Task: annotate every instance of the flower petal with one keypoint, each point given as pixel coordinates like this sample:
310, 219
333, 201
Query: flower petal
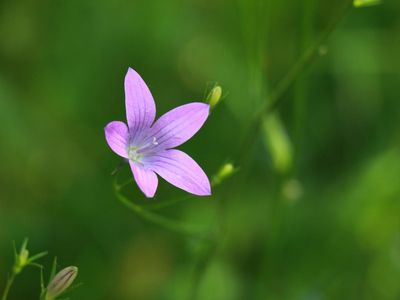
139, 103
181, 170
178, 125
145, 178
117, 137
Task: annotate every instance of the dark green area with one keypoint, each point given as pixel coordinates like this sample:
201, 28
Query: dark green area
314, 209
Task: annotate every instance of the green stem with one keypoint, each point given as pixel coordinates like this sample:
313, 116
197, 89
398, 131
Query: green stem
177, 226
9, 283
168, 203
173, 201
276, 96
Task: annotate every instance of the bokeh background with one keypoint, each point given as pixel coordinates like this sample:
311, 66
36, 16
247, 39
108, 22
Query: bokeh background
313, 211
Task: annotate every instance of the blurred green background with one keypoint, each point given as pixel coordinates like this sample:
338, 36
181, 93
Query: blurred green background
314, 210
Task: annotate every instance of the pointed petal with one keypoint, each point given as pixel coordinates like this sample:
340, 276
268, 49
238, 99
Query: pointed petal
181, 170
146, 179
117, 137
178, 125
139, 103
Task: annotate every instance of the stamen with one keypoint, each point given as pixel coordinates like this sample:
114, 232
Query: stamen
136, 152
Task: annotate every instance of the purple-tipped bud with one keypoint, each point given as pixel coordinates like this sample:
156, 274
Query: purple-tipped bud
61, 282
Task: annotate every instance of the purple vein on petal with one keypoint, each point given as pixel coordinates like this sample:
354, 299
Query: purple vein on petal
181, 170
194, 118
175, 132
147, 141
140, 106
145, 178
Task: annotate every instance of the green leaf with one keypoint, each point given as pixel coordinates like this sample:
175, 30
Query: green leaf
53, 269
37, 256
24, 245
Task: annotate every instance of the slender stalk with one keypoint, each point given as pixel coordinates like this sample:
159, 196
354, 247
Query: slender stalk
217, 180
173, 225
170, 202
9, 283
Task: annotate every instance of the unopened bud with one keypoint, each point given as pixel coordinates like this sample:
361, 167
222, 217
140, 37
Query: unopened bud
61, 282
22, 261
23, 257
224, 172
214, 96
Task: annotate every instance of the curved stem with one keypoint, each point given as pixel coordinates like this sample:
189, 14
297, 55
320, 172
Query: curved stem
173, 225
167, 203
170, 202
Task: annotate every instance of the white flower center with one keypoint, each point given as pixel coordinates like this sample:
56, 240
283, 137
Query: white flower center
136, 152
133, 153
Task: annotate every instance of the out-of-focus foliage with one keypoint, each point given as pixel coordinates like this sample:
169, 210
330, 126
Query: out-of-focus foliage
327, 228
278, 143
365, 3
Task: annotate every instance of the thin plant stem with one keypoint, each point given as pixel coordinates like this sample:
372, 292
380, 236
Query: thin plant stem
305, 60
9, 283
173, 201
168, 203
173, 225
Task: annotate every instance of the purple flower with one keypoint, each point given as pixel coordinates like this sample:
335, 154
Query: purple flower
148, 144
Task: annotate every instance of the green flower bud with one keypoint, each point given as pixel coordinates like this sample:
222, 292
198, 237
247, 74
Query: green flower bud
21, 261
224, 172
23, 257
214, 96
61, 282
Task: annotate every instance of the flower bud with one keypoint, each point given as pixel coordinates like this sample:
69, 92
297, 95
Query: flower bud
224, 172
23, 257
61, 282
214, 96
21, 261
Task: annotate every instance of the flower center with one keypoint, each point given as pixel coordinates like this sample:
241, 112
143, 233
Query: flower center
133, 153
136, 152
